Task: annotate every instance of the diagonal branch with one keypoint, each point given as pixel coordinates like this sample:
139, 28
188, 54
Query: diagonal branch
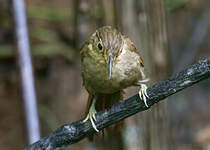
76, 131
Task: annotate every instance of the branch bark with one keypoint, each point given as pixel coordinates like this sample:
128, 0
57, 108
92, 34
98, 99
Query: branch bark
71, 133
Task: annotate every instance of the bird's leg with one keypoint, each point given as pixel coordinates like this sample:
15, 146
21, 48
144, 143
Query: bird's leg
91, 114
143, 91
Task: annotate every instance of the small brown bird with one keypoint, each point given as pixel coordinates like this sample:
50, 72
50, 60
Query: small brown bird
110, 63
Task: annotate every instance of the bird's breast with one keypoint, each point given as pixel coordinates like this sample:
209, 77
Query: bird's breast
125, 72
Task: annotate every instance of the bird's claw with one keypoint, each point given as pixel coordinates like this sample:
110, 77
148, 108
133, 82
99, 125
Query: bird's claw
143, 94
92, 116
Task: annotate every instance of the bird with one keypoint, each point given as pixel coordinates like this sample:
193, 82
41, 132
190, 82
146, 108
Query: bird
109, 64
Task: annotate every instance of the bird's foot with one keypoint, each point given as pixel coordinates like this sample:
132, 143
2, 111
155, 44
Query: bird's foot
143, 94
92, 116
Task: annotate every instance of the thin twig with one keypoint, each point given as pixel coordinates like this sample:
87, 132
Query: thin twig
76, 131
24, 57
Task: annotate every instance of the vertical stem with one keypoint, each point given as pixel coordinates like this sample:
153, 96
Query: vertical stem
27, 79
159, 68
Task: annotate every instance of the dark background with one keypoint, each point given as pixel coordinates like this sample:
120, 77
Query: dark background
58, 28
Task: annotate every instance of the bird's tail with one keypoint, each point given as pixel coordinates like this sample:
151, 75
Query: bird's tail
105, 101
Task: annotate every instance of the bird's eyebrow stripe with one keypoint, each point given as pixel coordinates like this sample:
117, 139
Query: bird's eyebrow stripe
98, 36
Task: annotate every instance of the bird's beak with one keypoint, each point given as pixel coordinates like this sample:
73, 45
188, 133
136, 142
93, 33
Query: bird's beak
110, 65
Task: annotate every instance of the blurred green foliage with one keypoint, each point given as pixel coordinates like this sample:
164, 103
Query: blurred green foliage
42, 50
174, 4
49, 14
44, 39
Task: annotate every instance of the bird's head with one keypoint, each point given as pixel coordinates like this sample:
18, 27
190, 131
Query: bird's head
106, 44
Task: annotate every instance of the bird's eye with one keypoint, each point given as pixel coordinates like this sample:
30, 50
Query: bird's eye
100, 47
